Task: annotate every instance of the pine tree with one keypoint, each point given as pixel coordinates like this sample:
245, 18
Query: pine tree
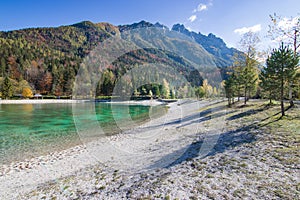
199, 92
290, 35
2, 66
282, 67
229, 89
268, 83
249, 79
237, 72
155, 90
7, 88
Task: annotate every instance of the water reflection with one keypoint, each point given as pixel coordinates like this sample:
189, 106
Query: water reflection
30, 130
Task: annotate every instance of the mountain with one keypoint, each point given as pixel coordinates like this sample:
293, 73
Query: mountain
48, 59
214, 45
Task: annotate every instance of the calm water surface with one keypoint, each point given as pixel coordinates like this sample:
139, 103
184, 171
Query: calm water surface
30, 130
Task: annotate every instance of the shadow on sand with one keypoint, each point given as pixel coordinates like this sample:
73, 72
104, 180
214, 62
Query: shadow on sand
224, 141
198, 117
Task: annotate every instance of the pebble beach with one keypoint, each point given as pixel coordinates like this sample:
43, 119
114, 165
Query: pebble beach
182, 155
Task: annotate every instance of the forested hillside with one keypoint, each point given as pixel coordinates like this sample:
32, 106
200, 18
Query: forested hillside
46, 60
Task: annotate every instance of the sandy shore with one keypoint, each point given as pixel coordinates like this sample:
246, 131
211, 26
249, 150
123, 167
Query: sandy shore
28, 174
195, 151
142, 102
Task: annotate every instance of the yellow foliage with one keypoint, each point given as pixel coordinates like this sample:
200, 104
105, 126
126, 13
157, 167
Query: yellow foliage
27, 93
207, 88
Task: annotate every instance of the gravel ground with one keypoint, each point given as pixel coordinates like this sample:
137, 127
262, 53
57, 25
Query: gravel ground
199, 150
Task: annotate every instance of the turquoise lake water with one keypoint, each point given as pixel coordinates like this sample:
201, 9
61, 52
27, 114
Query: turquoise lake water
30, 130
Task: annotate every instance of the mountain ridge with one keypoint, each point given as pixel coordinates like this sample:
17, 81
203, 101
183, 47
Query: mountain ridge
210, 42
48, 59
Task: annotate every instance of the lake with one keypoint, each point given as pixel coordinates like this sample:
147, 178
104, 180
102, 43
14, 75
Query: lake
30, 130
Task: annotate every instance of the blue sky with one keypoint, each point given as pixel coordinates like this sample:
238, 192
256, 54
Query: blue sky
225, 18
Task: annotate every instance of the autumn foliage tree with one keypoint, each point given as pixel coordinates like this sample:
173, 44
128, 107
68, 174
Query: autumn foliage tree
27, 92
248, 75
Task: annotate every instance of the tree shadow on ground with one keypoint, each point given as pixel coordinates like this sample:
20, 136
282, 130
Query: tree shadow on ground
275, 120
207, 114
197, 115
225, 141
248, 113
203, 118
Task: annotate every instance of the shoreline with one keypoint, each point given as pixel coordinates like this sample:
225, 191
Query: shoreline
27, 175
172, 157
70, 101
41, 101
28, 163
134, 102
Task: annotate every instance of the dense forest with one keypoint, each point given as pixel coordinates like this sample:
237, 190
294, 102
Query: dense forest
46, 60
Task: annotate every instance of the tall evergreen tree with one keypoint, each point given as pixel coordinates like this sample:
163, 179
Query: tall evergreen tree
238, 80
282, 67
7, 88
268, 83
286, 30
229, 89
248, 79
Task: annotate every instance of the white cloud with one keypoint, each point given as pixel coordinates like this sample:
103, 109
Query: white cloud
286, 26
288, 23
192, 18
254, 29
200, 8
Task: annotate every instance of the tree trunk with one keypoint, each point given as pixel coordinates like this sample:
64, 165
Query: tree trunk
245, 96
248, 95
282, 108
239, 93
281, 98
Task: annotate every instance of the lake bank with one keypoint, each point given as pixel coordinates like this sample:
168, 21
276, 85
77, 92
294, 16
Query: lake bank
49, 167
40, 101
254, 156
30, 130
51, 101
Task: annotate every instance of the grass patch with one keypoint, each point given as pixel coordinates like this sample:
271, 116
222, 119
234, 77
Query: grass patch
239, 193
209, 176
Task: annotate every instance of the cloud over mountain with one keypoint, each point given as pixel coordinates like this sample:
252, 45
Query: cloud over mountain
243, 30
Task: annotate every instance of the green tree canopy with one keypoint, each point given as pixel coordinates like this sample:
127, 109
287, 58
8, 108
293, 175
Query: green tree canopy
281, 68
7, 88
